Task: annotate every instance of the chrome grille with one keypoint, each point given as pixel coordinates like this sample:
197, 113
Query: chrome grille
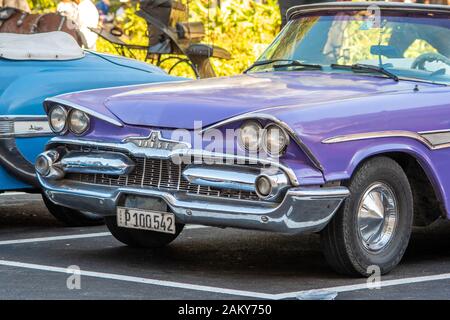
158, 174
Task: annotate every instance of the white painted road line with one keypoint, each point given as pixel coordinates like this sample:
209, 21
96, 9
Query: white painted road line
196, 226
364, 286
243, 293
12, 194
56, 238
162, 283
73, 236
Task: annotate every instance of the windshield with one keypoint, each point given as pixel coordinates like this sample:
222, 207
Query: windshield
407, 45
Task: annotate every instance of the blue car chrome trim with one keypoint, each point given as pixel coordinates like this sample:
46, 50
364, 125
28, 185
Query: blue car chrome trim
282, 124
69, 104
302, 209
428, 138
176, 155
24, 126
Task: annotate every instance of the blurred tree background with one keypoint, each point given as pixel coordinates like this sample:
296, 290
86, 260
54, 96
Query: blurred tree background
243, 27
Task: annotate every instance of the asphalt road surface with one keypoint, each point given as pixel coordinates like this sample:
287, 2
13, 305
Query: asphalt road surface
203, 263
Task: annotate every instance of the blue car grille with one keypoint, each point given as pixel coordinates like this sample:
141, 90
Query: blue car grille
158, 174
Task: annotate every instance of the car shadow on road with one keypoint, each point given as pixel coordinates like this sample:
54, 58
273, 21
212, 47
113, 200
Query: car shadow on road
429, 243
251, 254
25, 210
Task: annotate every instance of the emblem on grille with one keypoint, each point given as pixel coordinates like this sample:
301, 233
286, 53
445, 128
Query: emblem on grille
156, 141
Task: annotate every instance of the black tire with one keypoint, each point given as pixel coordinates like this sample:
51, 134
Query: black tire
71, 217
341, 240
141, 238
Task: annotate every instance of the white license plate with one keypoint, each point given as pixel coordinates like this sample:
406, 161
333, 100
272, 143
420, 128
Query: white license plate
146, 220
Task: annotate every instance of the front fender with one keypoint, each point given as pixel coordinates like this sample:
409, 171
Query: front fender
344, 159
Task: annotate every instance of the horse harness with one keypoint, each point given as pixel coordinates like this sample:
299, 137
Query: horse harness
7, 13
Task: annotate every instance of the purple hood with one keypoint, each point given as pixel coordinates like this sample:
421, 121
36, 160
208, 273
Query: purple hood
178, 105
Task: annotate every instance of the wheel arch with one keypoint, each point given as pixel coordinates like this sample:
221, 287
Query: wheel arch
429, 203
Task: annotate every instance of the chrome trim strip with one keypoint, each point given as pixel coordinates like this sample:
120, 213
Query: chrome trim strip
435, 131
222, 177
333, 6
113, 163
17, 126
282, 124
23, 117
175, 155
81, 108
437, 137
420, 136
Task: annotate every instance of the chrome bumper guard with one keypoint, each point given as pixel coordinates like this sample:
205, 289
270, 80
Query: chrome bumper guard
301, 210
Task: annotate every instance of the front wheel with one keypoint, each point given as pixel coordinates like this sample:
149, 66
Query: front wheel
71, 217
141, 238
373, 227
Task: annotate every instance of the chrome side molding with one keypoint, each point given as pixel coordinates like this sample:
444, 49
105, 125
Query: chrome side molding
24, 126
434, 140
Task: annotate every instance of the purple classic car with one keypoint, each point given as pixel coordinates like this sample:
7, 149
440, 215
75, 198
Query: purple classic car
341, 127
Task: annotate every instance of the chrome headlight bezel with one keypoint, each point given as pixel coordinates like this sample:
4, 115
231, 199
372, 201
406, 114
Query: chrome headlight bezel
242, 131
265, 144
71, 126
50, 117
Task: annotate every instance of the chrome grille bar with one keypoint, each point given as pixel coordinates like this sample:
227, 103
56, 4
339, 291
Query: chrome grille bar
158, 174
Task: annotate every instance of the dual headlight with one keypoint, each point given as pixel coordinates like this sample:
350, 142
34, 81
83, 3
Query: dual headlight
272, 138
61, 120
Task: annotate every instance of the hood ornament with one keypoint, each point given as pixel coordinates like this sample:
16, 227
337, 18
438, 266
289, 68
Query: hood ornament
156, 141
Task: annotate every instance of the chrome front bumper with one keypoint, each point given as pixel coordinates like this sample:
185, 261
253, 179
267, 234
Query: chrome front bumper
301, 210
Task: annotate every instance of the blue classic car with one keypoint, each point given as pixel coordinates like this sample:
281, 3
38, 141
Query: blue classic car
341, 127
33, 67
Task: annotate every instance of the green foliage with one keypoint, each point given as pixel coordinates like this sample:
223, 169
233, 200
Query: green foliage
42, 5
243, 27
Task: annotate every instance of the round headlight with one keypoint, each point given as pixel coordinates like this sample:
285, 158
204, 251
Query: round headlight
57, 119
78, 122
275, 140
249, 135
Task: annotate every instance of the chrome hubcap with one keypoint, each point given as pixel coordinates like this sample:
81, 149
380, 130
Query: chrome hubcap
377, 216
